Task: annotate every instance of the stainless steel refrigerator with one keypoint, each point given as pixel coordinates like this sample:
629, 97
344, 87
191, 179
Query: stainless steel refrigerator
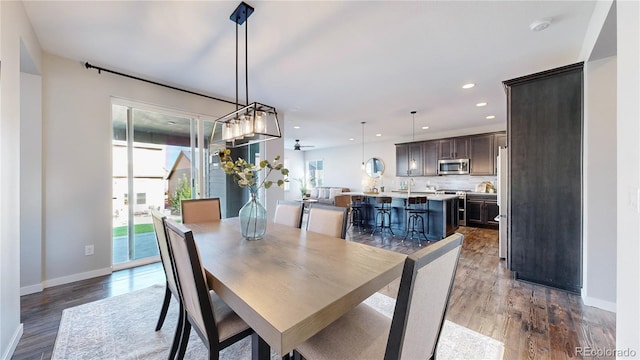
503, 188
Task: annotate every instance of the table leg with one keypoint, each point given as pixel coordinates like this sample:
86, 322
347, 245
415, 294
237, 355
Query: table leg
259, 348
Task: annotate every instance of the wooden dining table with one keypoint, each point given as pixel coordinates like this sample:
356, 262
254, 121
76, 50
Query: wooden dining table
292, 283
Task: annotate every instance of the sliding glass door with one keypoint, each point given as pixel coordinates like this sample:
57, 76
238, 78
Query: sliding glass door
157, 162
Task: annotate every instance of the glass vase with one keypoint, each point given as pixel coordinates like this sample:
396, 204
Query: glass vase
253, 219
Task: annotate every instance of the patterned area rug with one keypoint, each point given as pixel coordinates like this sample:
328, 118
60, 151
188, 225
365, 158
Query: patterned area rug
122, 327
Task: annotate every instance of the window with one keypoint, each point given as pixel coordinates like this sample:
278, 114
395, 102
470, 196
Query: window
315, 173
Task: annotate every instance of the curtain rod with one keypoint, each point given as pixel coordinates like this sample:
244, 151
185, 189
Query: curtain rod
100, 69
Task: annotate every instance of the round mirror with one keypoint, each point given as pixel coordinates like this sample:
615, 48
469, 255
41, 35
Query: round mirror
374, 167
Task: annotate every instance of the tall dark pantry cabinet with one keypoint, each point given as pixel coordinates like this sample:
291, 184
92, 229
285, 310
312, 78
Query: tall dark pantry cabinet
544, 130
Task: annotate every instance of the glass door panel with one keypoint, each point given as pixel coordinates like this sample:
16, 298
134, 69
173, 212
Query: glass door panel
153, 169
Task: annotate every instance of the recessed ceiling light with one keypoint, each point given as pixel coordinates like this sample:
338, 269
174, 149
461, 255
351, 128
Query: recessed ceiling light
425, 127
468, 86
491, 117
540, 25
378, 135
296, 127
480, 104
351, 139
171, 122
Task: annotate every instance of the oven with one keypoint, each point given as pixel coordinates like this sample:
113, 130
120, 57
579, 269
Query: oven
462, 204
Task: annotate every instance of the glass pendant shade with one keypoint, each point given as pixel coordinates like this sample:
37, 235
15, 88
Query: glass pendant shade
251, 124
414, 164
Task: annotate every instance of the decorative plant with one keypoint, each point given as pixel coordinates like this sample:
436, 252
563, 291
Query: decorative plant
183, 191
303, 186
245, 174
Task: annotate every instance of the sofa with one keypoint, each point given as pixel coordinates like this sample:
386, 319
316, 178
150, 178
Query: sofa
326, 194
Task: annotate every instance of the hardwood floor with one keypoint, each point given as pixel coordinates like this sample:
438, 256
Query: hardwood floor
534, 322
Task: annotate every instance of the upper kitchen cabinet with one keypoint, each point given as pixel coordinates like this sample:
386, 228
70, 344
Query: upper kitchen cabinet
430, 150
409, 159
545, 179
454, 148
482, 158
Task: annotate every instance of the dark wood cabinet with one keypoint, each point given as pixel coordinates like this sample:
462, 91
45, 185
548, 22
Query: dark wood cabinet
409, 160
454, 148
481, 211
482, 158
430, 156
544, 129
481, 150
402, 159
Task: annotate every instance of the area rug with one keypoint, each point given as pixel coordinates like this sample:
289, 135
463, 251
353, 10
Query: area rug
122, 327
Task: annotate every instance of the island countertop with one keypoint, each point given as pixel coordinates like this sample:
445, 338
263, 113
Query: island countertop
430, 196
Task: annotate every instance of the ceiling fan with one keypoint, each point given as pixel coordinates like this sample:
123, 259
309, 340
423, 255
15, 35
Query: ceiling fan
298, 147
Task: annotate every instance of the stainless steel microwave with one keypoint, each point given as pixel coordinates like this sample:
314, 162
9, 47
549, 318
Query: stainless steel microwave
453, 167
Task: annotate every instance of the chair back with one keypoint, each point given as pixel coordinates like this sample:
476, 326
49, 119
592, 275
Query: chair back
200, 210
427, 278
416, 202
328, 220
342, 201
357, 199
165, 250
289, 213
192, 284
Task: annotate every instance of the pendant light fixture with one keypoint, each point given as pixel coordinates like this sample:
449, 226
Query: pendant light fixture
254, 122
413, 164
364, 122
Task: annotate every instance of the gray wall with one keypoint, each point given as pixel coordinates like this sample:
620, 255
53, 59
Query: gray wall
30, 183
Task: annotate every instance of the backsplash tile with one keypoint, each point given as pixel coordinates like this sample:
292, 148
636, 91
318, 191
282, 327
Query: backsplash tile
452, 182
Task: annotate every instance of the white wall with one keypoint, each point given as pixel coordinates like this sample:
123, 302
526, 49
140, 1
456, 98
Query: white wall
628, 80
599, 225
295, 163
15, 33
30, 184
77, 155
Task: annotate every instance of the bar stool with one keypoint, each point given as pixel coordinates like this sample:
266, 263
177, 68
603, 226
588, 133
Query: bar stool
415, 208
356, 206
383, 212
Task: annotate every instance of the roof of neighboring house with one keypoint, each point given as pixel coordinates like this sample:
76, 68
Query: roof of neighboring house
183, 156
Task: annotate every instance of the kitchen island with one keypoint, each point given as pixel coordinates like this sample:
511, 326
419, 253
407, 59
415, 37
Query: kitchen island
442, 216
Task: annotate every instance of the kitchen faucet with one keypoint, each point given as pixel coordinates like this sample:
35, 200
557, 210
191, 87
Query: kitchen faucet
411, 183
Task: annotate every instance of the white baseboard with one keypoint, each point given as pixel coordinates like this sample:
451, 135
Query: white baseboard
31, 289
76, 277
599, 303
13, 343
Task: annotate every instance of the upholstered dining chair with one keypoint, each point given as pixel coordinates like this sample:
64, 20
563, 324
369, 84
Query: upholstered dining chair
328, 220
289, 213
171, 289
413, 332
200, 210
217, 325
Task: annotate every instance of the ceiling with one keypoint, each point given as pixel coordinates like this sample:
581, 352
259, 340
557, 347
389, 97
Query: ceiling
329, 65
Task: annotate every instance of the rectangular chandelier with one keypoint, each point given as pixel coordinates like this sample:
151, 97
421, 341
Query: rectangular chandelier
251, 124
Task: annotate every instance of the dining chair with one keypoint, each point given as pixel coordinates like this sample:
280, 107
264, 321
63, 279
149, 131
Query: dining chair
289, 213
171, 287
328, 220
213, 320
418, 317
200, 210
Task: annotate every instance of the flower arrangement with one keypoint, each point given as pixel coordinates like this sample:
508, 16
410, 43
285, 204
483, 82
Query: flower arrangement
245, 174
